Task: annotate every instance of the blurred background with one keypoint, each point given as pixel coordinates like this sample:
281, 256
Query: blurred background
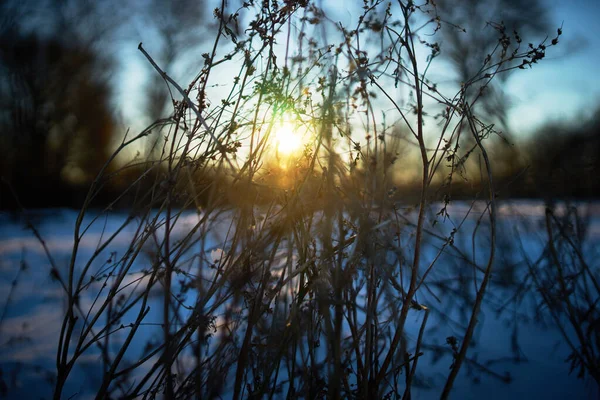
72, 82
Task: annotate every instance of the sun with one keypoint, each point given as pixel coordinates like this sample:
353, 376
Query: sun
287, 139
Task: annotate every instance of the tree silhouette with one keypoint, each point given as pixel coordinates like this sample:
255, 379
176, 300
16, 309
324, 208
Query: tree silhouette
57, 126
475, 34
179, 26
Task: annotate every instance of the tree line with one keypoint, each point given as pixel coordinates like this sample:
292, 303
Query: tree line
60, 118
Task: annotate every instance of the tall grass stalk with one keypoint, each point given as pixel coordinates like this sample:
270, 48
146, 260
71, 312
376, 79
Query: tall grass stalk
297, 276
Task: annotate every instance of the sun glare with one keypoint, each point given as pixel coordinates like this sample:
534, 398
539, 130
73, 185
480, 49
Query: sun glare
287, 140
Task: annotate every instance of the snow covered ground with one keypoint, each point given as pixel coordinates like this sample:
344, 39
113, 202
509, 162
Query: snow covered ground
32, 306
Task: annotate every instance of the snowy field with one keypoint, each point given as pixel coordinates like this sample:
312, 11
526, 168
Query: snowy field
510, 343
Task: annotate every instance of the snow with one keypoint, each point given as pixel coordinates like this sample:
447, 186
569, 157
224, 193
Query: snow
31, 321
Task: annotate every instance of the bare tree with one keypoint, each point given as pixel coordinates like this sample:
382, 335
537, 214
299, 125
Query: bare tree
178, 28
56, 93
470, 33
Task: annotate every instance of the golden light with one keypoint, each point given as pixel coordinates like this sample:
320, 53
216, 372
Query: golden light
287, 139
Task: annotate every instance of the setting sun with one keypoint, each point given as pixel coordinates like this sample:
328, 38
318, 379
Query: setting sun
287, 140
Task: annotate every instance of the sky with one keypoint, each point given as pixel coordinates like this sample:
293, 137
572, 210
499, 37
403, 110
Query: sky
565, 84
561, 88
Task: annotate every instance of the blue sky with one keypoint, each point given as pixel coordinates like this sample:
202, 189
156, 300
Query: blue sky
565, 85
561, 88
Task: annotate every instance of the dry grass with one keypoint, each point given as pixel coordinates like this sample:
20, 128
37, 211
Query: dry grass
305, 286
